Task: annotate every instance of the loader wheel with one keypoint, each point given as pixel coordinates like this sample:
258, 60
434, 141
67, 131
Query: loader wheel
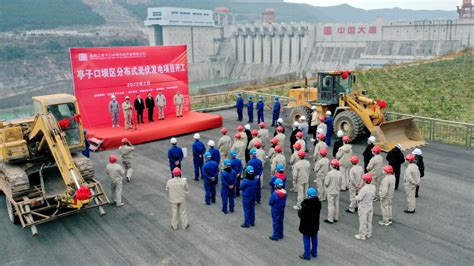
298, 112
350, 123
11, 212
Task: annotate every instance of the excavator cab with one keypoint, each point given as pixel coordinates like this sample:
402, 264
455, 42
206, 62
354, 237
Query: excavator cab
331, 84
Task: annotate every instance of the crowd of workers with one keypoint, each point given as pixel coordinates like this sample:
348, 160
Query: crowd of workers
239, 165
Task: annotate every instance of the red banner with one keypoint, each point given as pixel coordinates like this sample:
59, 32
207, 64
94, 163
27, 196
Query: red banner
99, 73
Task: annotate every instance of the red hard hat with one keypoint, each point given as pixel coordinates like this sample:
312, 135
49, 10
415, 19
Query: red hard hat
345, 138
280, 129
125, 140
254, 132
237, 136
297, 145
376, 149
176, 171
274, 141
224, 130
321, 136
367, 177
258, 144
262, 124
335, 162
410, 157
299, 134
388, 169
240, 128
323, 152
301, 153
112, 158
278, 148
354, 159
321, 118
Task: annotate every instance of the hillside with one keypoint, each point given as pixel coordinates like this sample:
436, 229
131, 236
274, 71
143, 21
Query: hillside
45, 14
441, 89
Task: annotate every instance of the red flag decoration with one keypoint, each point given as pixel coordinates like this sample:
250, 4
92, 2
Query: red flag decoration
345, 74
381, 103
83, 193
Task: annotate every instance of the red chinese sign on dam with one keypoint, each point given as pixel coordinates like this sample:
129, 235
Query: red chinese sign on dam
328, 30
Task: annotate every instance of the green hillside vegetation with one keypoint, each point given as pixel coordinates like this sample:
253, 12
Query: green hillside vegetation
441, 89
45, 14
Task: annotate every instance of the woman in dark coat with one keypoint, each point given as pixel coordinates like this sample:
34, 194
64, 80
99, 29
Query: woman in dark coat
368, 152
309, 223
395, 159
421, 166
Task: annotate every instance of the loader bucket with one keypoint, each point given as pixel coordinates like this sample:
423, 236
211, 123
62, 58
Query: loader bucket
402, 131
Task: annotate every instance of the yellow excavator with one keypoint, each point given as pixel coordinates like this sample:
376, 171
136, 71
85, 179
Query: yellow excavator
353, 113
43, 174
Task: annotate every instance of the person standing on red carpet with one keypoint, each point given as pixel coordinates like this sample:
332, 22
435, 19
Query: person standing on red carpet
178, 101
139, 107
150, 105
127, 112
161, 103
114, 109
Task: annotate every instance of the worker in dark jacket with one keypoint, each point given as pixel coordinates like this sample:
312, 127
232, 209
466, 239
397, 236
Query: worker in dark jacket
421, 166
395, 159
309, 223
258, 171
210, 174
139, 107
260, 107
250, 109
248, 133
240, 107
216, 155
175, 155
87, 151
329, 121
198, 156
338, 143
236, 164
368, 152
227, 186
293, 138
277, 202
249, 188
276, 111
150, 106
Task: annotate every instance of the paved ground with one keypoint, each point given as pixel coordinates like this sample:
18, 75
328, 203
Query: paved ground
139, 233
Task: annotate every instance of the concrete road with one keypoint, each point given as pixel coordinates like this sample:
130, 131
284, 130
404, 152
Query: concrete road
139, 233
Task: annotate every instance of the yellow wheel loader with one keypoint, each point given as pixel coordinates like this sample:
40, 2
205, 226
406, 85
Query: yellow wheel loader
353, 113
43, 174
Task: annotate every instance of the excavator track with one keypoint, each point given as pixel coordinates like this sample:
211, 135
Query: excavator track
13, 180
84, 165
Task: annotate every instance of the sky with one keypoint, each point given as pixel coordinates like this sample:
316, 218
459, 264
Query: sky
375, 4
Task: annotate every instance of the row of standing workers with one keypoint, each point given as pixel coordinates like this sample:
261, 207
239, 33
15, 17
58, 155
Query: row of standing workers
239, 164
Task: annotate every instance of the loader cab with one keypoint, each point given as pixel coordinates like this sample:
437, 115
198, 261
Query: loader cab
331, 84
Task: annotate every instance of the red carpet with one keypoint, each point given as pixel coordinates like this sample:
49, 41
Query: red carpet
171, 126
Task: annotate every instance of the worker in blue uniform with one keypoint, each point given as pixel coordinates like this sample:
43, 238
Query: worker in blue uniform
215, 154
276, 111
240, 107
229, 177
175, 155
279, 174
236, 164
277, 202
249, 193
330, 124
260, 106
87, 151
250, 109
258, 170
198, 156
210, 173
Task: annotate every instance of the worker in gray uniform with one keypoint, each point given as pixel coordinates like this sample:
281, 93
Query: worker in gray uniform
178, 101
177, 188
411, 181
365, 201
387, 188
114, 109
332, 184
375, 169
126, 153
161, 104
127, 108
344, 155
321, 168
355, 183
115, 173
301, 171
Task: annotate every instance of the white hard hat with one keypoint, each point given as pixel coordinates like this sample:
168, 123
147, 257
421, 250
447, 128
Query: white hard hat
399, 146
211, 143
328, 112
173, 141
280, 120
371, 139
340, 133
319, 130
247, 126
313, 107
417, 152
127, 97
296, 124
197, 136
113, 96
303, 118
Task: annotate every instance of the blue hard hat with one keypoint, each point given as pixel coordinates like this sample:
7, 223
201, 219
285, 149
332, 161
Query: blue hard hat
233, 153
250, 97
312, 192
227, 162
280, 167
278, 183
260, 97
249, 169
239, 94
208, 155
253, 151
277, 98
85, 131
